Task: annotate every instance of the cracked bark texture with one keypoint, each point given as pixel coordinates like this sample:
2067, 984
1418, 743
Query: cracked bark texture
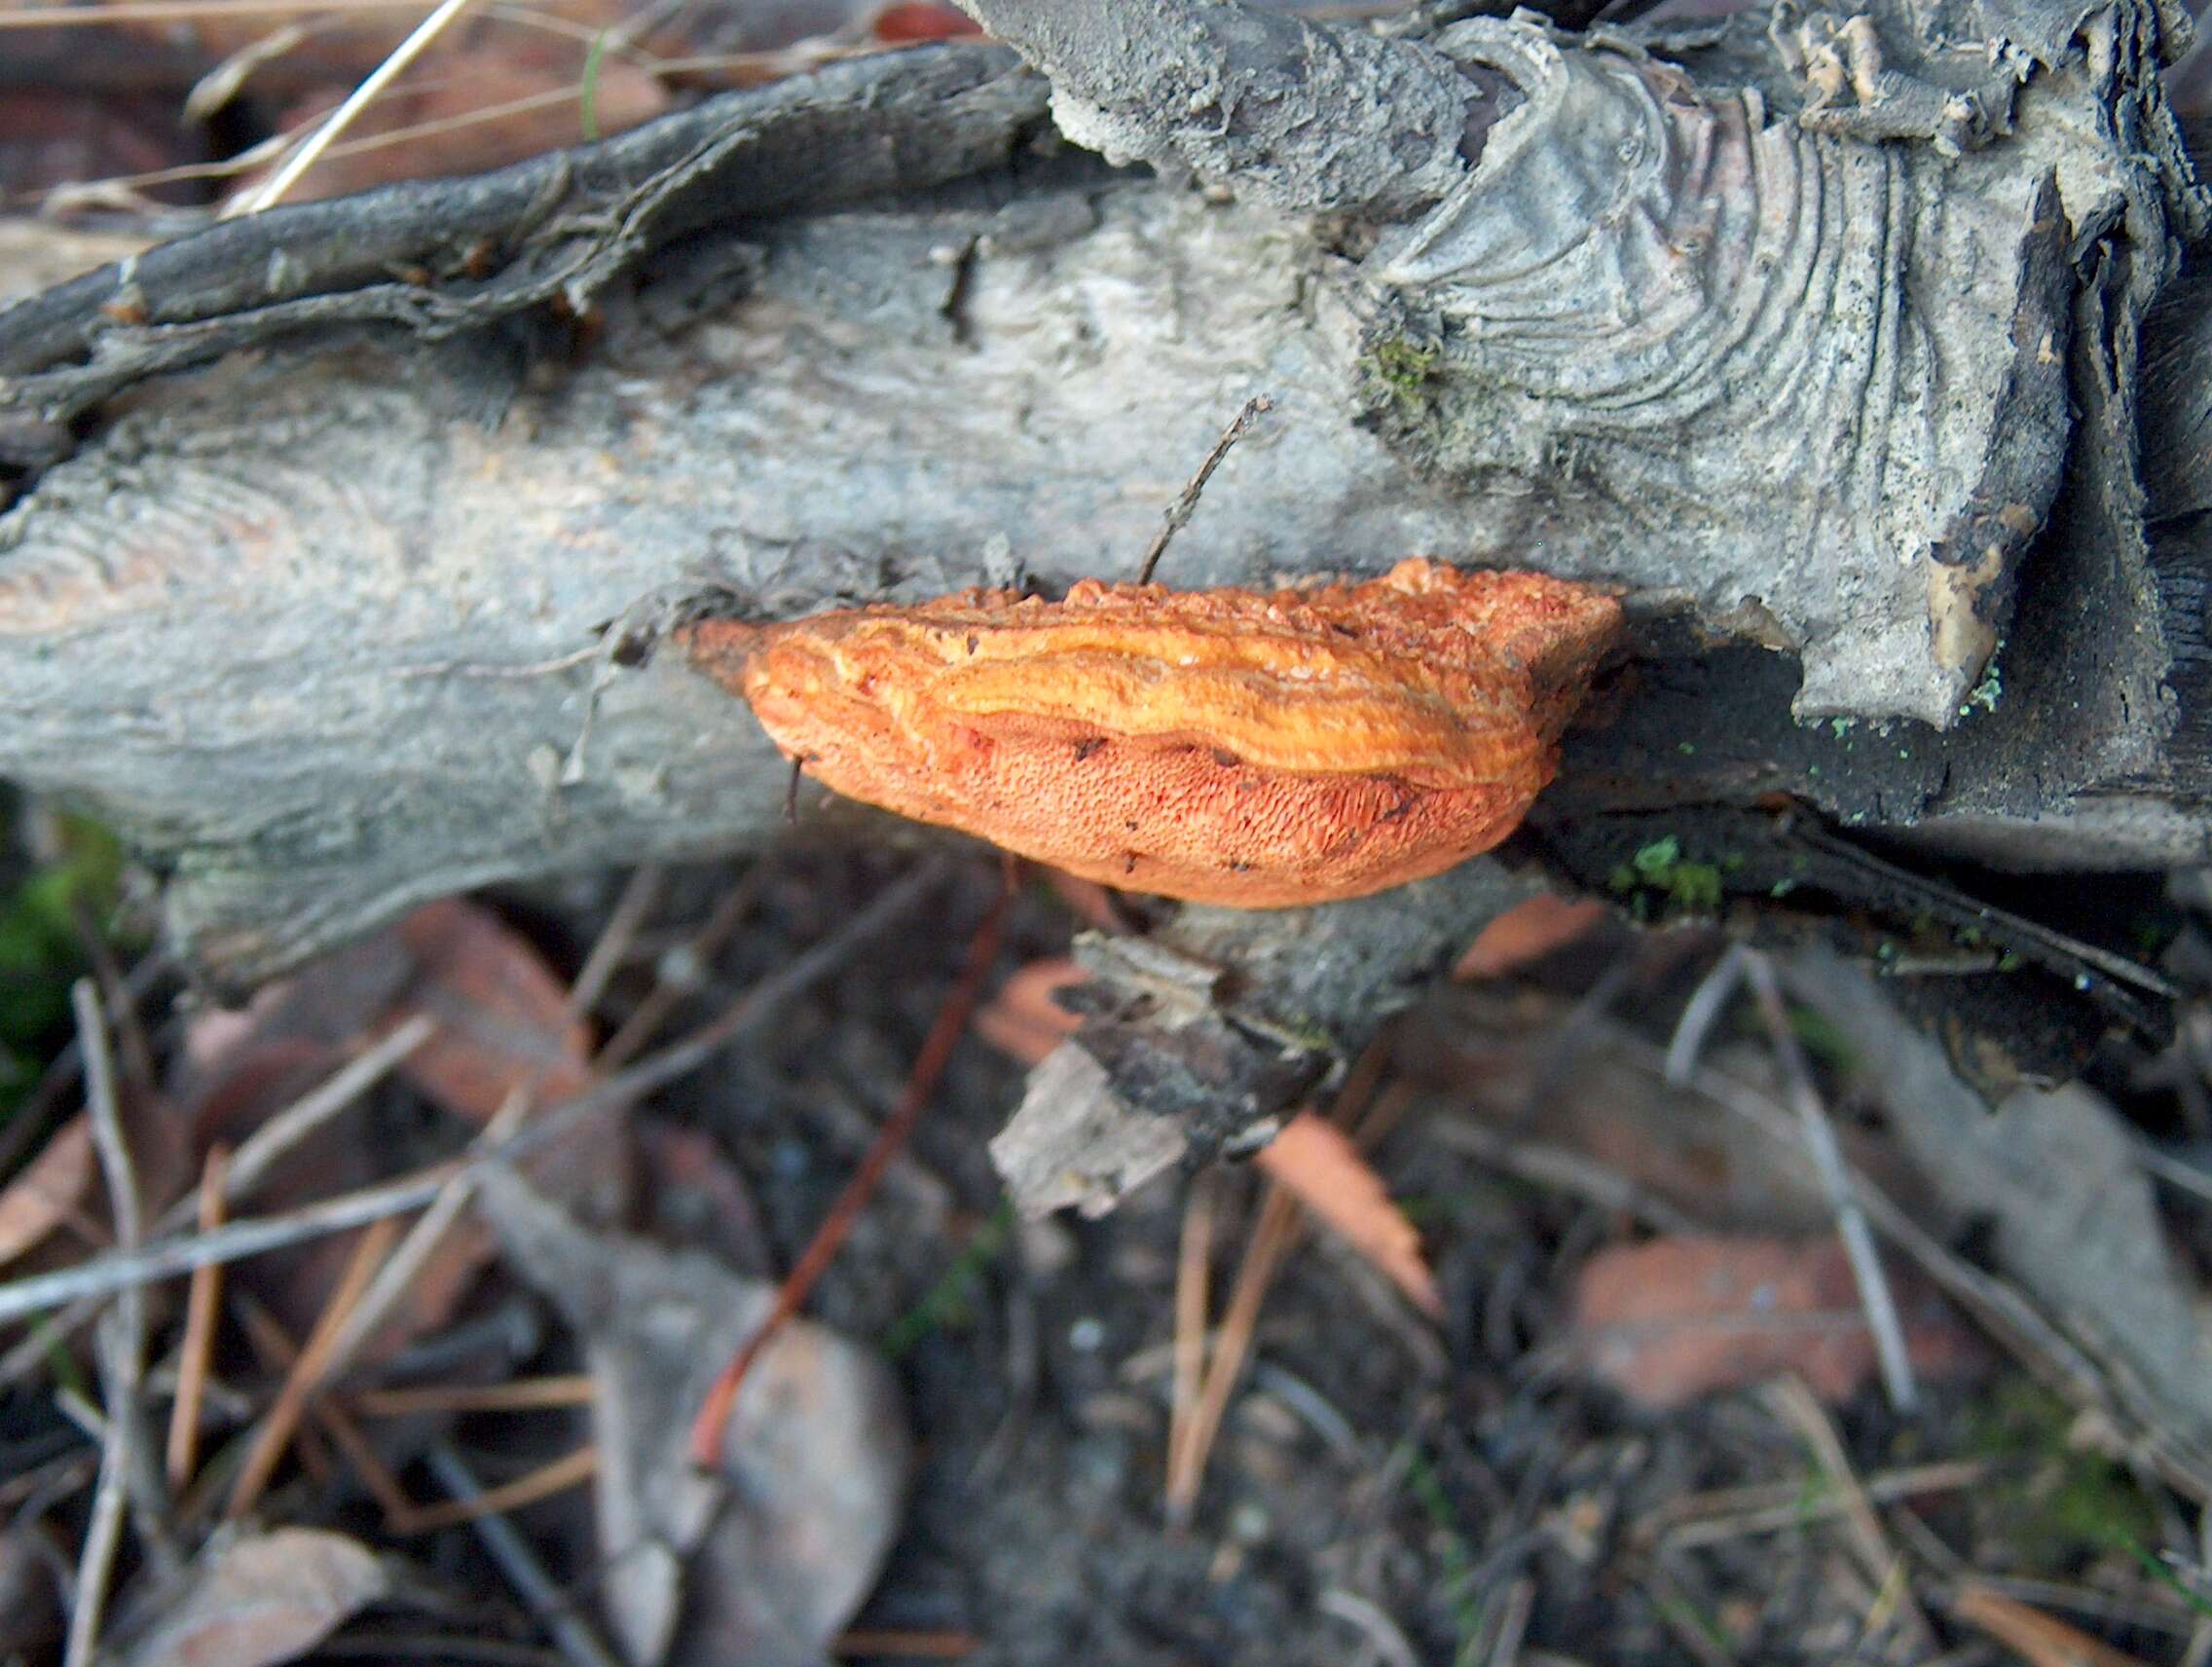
317, 615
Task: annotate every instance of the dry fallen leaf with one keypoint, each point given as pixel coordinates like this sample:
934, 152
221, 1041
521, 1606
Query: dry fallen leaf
264, 1598
765, 1560
504, 1025
1315, 1163
49, 1189
1673, 1319
502, 1015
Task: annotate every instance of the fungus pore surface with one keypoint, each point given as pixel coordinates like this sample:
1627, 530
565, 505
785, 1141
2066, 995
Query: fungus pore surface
1250, 748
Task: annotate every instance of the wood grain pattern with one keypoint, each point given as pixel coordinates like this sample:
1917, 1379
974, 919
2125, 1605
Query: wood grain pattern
1239, 747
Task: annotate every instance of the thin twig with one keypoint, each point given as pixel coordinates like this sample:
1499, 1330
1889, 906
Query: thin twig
260, 1151
360, 99
1186, 501
308, 1371
1707, 1003
1769, 1507
1386, 1641
101, 1277
554, 1608
1874, 1293
936, 1053
194, 1355
1273, 1239
680, 972
280, 1353
123, 1344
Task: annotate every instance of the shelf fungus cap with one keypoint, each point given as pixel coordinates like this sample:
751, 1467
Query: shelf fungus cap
1250, 748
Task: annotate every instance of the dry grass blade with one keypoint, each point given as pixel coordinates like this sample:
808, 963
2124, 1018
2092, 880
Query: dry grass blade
1192, 1300
279, 1353
1850, 1219
308, 1371
555, 1611
423, 1239
360, 99
1877, 1555
571, 1470
105, 1275
2042, 1639
525, 1394
1272, 1240
201, 1304
261, 1151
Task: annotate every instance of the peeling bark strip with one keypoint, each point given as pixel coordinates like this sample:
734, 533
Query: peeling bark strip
1221, 746
316, 624
1678, 317
439, 258
1308, 118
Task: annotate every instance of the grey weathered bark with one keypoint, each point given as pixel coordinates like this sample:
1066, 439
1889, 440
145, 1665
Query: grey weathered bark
1815, 335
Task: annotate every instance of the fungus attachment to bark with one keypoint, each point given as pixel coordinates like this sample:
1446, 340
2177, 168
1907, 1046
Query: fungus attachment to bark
1249, 748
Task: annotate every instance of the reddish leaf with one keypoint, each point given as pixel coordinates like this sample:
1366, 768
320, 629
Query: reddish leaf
1673, 1319
911, 20
1314, 1162
502, 1023
1527, 932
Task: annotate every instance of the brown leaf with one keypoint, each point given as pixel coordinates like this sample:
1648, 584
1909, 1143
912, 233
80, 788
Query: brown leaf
1315, 1163
1527, 932
503, 1014
1673, 1319
502, 1023
267, 1598
49, 1189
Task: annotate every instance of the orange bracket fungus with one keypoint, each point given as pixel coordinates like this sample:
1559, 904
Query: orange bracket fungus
1239, 747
